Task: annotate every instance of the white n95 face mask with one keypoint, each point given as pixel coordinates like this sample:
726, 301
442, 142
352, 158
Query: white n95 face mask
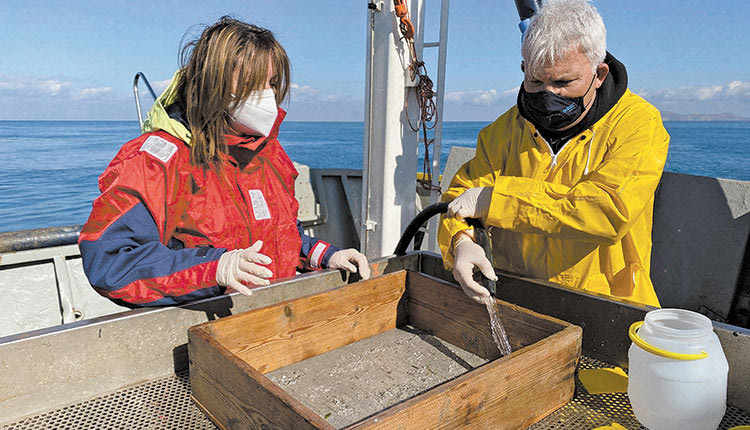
257, 114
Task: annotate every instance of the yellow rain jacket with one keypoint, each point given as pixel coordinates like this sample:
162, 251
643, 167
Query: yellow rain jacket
581, 219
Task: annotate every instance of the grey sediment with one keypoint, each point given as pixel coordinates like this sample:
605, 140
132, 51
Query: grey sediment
353, 382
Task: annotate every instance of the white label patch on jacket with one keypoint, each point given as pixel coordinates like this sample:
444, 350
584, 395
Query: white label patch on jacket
260, 207
159, 148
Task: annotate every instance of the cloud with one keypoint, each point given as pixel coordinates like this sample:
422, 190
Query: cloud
739, 88
160, 86
54, 98
53, 87
308, 94
307, 103
472, 97
481, 97
478, 105
303, 94
32, 87
735, 90
707, 93
90, 93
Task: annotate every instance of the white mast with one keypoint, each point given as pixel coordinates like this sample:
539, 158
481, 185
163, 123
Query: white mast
390, 156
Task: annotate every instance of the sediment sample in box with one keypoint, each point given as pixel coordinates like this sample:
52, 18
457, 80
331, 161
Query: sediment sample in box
357, 380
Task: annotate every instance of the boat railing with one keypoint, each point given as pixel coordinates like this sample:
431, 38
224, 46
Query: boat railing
137, 77
24, 240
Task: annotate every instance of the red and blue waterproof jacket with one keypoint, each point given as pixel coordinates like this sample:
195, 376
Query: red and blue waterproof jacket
160, 225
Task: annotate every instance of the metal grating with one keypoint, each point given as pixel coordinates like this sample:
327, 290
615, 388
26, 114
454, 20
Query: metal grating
160, 404
166, 404
589, 411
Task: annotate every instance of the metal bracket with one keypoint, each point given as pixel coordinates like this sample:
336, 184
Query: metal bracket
376, 6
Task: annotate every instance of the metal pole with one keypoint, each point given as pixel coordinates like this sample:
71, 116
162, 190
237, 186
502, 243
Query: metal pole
137, 96
432, 225
375, 8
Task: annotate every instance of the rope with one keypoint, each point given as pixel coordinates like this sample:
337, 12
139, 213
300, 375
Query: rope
425, 94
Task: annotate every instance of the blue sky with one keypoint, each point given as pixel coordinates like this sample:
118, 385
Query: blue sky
76, 60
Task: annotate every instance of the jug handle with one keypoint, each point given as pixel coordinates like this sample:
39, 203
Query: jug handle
633, 333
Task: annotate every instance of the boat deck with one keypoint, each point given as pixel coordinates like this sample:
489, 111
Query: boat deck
165, 403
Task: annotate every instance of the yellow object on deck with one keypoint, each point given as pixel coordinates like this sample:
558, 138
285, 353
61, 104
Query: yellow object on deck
601, 381
613, 426
421, 176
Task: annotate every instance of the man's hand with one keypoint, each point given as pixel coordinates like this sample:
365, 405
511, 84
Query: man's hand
347, 258
473, 203
467, 256
241, 267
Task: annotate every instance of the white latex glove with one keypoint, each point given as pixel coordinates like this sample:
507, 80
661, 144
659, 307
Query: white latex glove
468, 255
240, 267
473, 203
347, 258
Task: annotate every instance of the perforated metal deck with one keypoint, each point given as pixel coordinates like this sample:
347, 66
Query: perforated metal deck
589, 411
166, 404
160, 404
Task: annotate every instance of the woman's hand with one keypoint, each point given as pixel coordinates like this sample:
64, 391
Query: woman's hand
241, 267
347, 258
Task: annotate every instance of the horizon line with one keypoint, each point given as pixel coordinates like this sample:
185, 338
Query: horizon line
740, 119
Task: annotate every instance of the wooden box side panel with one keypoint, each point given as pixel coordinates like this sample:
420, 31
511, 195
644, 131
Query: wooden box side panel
509, 393
236, 396
442, 309
279, 335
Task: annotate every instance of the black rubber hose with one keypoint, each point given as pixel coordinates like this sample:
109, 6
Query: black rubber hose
481, 236
416, 223
420, 219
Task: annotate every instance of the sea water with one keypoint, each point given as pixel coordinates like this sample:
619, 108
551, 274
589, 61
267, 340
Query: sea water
49, 169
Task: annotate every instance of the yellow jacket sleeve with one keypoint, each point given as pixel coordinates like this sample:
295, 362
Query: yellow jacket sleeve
478, 172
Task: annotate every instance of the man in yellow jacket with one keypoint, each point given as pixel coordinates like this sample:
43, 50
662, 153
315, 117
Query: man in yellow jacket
565, 179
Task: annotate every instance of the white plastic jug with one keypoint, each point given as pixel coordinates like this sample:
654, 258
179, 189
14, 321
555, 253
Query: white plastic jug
677, 377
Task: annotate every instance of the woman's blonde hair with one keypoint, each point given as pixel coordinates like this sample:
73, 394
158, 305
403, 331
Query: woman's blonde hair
205, 91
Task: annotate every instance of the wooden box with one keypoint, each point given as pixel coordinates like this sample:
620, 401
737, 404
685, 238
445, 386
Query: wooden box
229, 357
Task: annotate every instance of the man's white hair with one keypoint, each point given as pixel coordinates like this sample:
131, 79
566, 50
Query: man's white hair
561, 26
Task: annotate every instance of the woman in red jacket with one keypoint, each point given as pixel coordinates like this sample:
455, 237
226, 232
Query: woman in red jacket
203, 202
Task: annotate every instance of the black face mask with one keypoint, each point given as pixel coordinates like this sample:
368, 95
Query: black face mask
551, 111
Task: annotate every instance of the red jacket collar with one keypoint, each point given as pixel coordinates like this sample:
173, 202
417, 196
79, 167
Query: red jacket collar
252, 143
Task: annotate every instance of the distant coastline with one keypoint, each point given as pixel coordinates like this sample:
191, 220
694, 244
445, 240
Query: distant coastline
672, 116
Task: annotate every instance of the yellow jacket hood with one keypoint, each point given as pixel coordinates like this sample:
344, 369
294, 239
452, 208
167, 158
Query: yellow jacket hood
158, 118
